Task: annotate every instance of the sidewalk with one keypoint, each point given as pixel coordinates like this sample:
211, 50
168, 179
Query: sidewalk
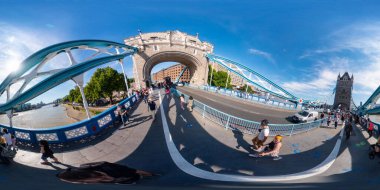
116, 147
212, 148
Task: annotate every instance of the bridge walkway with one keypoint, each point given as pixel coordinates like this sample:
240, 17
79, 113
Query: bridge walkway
240, 108
142, 145
210, 147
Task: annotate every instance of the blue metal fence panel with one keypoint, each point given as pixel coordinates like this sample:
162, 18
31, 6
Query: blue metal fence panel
246, 126
71, 132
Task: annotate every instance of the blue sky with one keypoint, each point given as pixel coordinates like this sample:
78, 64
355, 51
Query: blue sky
301, 45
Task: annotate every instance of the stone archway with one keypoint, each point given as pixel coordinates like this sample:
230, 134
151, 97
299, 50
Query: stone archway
173, 46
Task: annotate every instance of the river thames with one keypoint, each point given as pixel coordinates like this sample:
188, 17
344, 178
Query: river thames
45, 117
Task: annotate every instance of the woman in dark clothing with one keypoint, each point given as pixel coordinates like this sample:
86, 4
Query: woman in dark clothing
46, 152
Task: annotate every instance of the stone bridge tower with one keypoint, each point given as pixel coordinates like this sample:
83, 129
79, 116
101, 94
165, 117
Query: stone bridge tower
343, 92
171, 46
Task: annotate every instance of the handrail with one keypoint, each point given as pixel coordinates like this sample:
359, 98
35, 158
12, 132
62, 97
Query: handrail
246, 126
253, 98
71, 132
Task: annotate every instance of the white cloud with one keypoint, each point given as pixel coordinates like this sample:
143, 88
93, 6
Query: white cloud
355, 49
261, 53
18, 43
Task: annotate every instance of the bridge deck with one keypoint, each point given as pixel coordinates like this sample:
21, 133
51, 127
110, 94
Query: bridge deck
212, 148
142, 146
238, 107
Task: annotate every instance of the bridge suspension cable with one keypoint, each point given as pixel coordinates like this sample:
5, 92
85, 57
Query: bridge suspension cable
369, 106
252, 77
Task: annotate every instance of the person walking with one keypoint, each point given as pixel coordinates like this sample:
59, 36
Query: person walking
336, 121
259, 140
46, 152
3, 145
190, 103
182, 99
152, 108
370, 128
146, 95
7, 136
348, 129
328, 121
123, 113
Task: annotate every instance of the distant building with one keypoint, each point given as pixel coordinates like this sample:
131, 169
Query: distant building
343, 92
235, 79
172, 72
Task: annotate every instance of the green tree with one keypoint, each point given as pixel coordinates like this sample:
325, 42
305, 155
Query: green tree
249, 90
104, 82
74, 96
92, 92
101, 85
219, 78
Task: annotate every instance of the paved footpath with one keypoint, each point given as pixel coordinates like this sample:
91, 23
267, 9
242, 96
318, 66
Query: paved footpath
210, 147
142, 145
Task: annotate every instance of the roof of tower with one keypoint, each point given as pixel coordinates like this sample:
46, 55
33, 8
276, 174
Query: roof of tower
345, 76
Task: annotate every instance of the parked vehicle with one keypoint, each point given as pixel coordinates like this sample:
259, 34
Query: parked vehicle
305, 116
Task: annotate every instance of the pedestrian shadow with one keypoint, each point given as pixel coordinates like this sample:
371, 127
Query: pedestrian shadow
238, 135
211, 152
136, 122
54, 166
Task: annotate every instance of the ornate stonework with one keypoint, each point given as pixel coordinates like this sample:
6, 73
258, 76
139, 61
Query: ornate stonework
343, 92
170, 46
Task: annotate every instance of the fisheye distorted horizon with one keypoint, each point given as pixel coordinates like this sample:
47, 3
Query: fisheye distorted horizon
300, 45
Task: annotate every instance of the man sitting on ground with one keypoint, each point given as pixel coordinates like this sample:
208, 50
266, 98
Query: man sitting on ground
272, 149
259, 140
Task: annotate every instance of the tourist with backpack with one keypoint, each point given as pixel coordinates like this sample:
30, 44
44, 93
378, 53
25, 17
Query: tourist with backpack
123, 113
348, 129
46, 152
152, 108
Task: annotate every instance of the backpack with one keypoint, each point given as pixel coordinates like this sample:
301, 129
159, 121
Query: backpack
370, 127
8, 152
152, 106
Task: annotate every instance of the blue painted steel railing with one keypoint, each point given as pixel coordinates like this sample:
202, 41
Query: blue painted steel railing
376, 128
246, 126
72, 132
248, 96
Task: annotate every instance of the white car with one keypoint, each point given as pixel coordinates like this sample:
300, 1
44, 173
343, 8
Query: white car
305, 116
179, 84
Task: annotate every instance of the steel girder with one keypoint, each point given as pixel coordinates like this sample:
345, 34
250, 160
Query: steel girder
180, 74
31, 65
252, 77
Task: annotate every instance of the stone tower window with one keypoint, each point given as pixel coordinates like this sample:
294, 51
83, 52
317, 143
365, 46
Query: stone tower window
155, 47
195, 52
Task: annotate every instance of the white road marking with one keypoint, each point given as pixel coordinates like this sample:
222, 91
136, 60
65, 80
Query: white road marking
188, 168
183, 118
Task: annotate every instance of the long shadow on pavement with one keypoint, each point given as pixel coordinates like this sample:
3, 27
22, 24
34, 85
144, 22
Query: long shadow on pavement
205, 152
